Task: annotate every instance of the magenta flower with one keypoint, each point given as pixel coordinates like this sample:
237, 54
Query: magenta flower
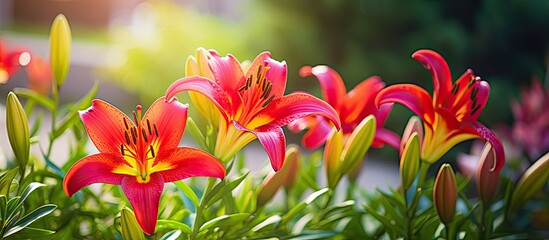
140, 158
351, 107
251, 102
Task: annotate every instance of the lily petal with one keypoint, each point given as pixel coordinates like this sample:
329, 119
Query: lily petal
105, 125
273, 141
168, 119
331, 83
442, 79
92, 169
204, 86
297, 105
276, 73
185, 162
384, 136
228, 74
144, 198
497, 147
317, 134
411, 96
358, 102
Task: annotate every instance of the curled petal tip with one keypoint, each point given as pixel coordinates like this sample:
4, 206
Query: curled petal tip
305, 71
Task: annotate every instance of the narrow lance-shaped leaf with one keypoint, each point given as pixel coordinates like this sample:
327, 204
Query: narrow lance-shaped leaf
60, 48
6, 179
30, 218
18, 131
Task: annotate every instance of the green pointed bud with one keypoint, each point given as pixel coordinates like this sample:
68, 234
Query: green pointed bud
358, 144
409, 161
18, 131
487, 179
531, 182
284, 177
332, 154
60, 48
445, 193
129, 227
414, 125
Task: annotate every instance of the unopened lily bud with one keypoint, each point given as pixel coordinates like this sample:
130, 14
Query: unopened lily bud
60, 48
18, 130
414, 125
445, 193
332, 154
531, 182
409, 161
129, 227
284, 177
356, 146
487, 179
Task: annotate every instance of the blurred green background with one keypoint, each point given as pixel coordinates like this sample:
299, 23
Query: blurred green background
506, 42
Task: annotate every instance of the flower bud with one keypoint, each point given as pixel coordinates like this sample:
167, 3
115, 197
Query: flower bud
284, 177
487, 179
531, 182
356, 146
445, 193
409, 161
60, 48
18, 130
414, 125
128, 225
332, 154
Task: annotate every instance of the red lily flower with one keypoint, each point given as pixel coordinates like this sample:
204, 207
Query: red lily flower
10, 61
450, 115
351, 107
251, 102
139, 158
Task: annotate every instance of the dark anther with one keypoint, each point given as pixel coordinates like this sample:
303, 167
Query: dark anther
455, 89
155, 129
249, 81
243, 88
474, 93
144, 135
268, 101
471, 82
259, 73
126, 123
266, 92
135, 118
152, 150
127, 137
475, 109
149, 126
122, 149
134, 135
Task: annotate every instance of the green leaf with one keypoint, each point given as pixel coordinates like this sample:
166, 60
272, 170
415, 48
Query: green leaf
313, 235
171, 235
386, 222
6, 179
226, 220
31, 94
129, 227
358, 144
72, 115
183, 187
3, 210
300, 206
171, 224
30, 218
196, 133
28, 190
30, 232
222, 189
271, 221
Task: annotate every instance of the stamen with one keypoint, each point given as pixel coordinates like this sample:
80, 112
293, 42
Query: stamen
135, 118
134, 135
268, 101
259, 73
475, 109
152, 150
155, 130
149, 126
471, 81
474, 93
144, 135
249, 82
267, 91
127, 137
455, 89
243, 88
126, 123
122, 149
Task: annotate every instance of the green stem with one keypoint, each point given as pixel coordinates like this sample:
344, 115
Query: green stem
200, 210
413, 207
450, 233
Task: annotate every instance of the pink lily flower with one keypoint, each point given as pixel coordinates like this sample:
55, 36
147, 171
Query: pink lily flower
450, 115
351, 107
140, 158
251, 102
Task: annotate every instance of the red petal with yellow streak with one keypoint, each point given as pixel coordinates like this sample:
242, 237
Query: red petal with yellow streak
185, 162
273, 140
144, 198
442, 79
411, 96
92, 169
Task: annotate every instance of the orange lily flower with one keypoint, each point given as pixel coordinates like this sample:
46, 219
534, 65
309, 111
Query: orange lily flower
351, 107
140, 158
450, 115
251, 102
